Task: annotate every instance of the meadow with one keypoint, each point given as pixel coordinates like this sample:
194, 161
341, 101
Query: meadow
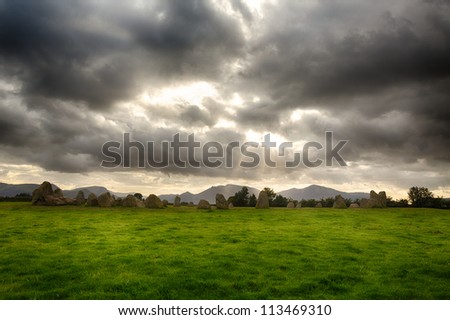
244, 253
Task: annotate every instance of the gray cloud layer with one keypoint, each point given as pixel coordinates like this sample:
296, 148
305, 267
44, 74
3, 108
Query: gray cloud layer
376, 74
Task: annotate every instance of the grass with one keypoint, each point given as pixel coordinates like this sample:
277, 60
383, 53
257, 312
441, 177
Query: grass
184, 253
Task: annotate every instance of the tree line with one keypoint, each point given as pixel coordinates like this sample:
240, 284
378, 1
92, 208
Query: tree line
419, 197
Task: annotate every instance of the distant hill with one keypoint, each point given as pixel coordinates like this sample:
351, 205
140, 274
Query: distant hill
11, 190
319, 192
86, 190
209, 194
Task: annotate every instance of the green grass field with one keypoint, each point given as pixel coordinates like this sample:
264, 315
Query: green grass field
244, 253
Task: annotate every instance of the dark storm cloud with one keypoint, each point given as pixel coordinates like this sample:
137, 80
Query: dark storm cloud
357, 74
299, 67
58, 50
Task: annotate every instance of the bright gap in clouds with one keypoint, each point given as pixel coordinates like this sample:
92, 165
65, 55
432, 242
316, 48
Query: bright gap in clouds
192, 93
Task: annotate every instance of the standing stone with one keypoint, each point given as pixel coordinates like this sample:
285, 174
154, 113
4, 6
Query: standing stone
339, 203
354, 205
80, 199
92, 200
221, 202
263, 201
382, 199
203, 204
153, 202
375, 201
364, 203
165, 203
130, 201
298, 206
319, 205
230, 206
177, 201
38, 196
44, 195
290, 205
105, 200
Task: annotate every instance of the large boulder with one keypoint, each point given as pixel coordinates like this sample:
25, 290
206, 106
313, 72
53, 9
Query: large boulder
105, 200
298, 206
319, 205
44, 195
92, 200
165, 203
377, 200
203, 204
57, 200
263, 201
80, 199
354, 205
130, 201
290, 205
230, 206
58, 192
153, 202
221, 202
177, 201
40, 192
339, 203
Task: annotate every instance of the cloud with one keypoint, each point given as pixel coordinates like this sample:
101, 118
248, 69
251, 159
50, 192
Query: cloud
74, 75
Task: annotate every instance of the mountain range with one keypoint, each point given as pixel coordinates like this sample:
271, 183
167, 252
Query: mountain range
318, 192
209, 194
11, 190
311, 192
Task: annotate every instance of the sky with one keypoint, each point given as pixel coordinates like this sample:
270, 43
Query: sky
77, 74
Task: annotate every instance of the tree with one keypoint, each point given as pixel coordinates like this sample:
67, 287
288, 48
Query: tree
396, 203
241, 198
270, 194
280, 201
327, 202
419, 196
309, 203
252, 200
